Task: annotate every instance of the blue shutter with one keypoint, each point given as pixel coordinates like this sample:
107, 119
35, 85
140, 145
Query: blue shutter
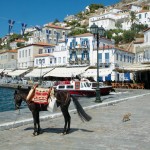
71, 56
82, 55
100, 79
71, 45
127, 76
108, 78
87, 55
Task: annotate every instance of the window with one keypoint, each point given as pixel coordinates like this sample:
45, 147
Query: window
25, 53
19, 54
139, 16
47, 31
61, 87
36, 61
59, 59
124, 58
12, 56
40, 51
100, 57
128, 58
69, 86
55, 60
51, 60
116, 56
145, 15
55, 32
120, 57
64, 59
29, 52
107, 57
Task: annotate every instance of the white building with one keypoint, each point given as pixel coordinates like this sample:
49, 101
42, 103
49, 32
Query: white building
143, 49
83, 51
144, 17
52, 56
109, 19
8, 59
79, 50
27, 53
106, 20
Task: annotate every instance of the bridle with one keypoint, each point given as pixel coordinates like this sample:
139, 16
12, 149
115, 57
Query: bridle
19, 97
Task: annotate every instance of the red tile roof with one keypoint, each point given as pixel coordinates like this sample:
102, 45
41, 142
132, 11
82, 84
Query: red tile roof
39, 44
43, 44
44, 55
54, 26
85, 34
142, 11
106, 47
9, 51
146, 29
20, 40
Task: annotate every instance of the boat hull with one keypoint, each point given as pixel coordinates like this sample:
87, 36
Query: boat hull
81, 93
88, 93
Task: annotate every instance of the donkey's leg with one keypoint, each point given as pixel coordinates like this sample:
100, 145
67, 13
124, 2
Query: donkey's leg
67, 119
68, 116
34, 120
38, 123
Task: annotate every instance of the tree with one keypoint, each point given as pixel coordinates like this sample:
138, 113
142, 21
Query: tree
55, 21
77, 32
118, 39
14, 37
128, 36
94, 7
118, 24
133, 19
20, 44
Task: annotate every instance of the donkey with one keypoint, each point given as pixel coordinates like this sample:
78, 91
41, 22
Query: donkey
63, 101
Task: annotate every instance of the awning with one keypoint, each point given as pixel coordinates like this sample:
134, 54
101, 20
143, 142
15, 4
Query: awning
93, 72
1, 70
6, 71
66, 72
38, 72
134, 68
17, 72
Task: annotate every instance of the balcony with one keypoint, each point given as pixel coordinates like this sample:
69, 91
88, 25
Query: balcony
145, 61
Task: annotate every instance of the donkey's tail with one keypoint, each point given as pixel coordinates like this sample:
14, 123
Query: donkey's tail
82, 114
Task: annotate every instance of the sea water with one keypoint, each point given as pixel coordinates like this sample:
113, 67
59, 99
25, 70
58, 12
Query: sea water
6, 99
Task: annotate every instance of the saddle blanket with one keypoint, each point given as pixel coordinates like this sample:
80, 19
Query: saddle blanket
41, 95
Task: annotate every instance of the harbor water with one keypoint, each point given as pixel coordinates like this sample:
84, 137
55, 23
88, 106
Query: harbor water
6, 99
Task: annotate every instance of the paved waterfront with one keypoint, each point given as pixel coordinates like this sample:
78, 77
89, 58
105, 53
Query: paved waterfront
106, 131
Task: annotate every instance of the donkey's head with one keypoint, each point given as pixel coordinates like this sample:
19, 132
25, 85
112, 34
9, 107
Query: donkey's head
20, 95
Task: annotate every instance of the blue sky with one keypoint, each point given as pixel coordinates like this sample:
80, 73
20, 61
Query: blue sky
39, 12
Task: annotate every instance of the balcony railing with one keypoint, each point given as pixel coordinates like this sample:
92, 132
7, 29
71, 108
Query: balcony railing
146, 60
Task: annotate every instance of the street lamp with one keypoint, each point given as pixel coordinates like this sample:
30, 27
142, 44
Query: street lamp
97, 32
41, 61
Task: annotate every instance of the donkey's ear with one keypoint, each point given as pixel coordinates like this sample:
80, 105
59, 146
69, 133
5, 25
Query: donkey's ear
29, 87
15, 92
19, 87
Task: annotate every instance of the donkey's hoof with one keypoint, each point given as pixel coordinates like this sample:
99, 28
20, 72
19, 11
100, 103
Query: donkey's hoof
68, 131
35, 133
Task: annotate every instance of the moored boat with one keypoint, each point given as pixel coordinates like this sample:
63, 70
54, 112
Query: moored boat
82, 88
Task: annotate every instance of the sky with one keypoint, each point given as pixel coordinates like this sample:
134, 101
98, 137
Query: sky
40, 12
